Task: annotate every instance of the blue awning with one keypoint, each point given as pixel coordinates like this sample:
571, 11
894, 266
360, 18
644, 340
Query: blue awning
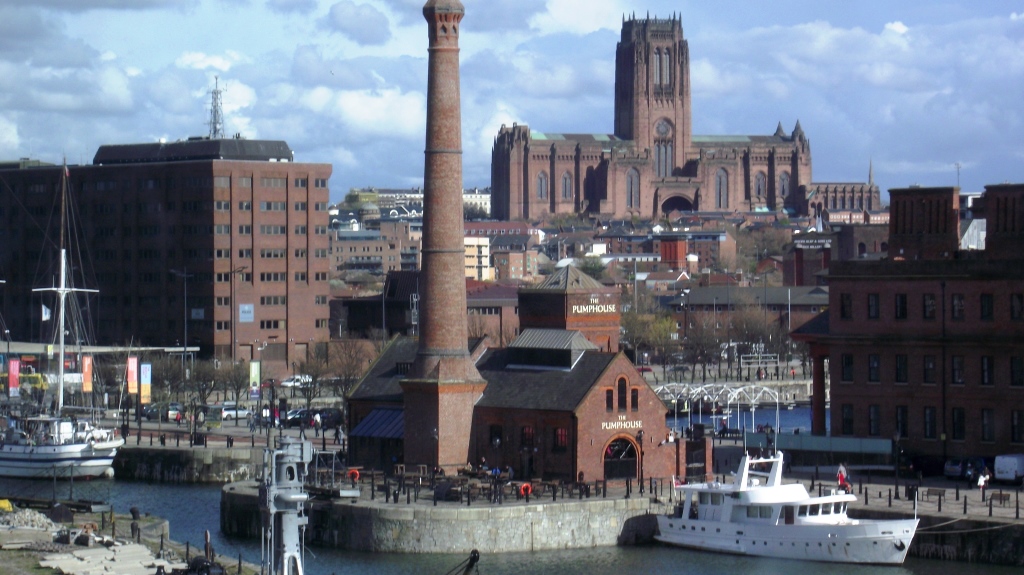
382, 423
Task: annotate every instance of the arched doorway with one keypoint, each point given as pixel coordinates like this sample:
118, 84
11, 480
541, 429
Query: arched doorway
678, 203
620, 459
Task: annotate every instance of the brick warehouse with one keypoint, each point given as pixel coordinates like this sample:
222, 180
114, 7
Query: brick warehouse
557, 400
927, 346
246, 224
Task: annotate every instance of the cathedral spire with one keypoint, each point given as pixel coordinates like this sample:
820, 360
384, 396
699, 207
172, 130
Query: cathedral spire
871, 172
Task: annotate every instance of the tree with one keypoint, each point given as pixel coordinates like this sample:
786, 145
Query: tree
235, 379
204, 381
473, 212
592, 266
701, 342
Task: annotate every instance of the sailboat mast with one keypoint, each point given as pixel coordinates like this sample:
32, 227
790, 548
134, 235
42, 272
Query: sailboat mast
62, 292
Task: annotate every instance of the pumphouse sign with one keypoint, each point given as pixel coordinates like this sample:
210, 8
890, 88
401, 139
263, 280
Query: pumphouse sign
594, 306
622, 424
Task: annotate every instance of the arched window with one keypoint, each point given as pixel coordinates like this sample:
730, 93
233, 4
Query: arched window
542, 186
622, 394
566, 186
632, 188
666, 69
760, 185
721, 189
784, 184
657, 67
842, 203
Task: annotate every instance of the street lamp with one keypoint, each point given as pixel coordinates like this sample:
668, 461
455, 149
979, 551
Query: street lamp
640, 454
184, 275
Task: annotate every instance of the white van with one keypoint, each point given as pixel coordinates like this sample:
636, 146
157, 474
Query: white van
1009, 468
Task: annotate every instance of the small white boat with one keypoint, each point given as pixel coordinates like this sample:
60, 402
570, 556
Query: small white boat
758, 515
45, 446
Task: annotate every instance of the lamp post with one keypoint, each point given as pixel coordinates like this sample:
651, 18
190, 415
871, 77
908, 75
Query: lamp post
640, 454
184, 275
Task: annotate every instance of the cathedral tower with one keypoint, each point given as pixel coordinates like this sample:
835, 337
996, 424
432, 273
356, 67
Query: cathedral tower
652, 91
443, 384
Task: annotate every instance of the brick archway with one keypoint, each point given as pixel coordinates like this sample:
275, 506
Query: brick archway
620, 458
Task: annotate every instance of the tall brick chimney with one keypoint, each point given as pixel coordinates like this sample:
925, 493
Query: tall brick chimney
444, 384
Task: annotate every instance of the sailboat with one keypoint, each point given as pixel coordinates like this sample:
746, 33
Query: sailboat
55, 445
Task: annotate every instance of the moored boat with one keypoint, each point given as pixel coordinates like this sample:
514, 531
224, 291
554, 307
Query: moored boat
757, 514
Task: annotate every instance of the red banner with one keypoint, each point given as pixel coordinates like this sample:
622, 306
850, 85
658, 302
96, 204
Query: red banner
87, 374
14, 367
133, 375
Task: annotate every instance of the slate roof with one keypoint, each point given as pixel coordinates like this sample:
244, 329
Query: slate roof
511, 387
382, 422
568, 278
194, 149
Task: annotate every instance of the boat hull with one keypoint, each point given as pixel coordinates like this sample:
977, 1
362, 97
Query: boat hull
76, 460
858, 541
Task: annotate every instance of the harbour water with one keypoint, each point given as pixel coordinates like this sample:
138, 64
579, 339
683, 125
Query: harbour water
193, 509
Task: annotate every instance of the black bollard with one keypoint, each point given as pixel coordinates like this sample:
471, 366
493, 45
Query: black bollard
408, 497
860, 486
373, 487
958, 492
394, 496
252, 440
151, 440
865, 498
965, 504
940, 504
989, 506
177, 440
890, 498
1018, 504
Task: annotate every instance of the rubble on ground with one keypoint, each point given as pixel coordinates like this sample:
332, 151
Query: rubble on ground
27, 519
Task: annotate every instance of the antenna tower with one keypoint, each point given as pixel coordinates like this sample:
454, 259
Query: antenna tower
216, 112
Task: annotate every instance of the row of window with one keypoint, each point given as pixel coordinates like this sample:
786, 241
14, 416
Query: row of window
107, 232
528, 437
299, 276
981, 370
987, 307
542, 186
985, 427
271, 324
621, 389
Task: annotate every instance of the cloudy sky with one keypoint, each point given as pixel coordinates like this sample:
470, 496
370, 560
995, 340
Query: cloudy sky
914, 87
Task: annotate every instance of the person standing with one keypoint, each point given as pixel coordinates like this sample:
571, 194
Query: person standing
316, 424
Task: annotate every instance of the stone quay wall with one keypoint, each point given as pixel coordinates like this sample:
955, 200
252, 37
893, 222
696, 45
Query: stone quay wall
188, 465
447, 528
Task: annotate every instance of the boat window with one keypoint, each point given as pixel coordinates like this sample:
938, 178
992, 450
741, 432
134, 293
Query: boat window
826, 509
838, 507
815, 509
704, 498
717, 498
765, 511
752, 511
803, 511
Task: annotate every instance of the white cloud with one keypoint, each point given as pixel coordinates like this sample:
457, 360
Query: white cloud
362, 23
579, 16
9, 140
387, 113
202, 61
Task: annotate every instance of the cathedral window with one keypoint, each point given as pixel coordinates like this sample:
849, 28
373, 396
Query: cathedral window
542, 186
760, 183
633, 188
663, 158
566, 186
657, 67
722, 189
784, 184
666, 69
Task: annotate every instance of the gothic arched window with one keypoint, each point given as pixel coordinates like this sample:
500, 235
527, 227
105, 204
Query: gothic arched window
760, 185
657, 67
542, 186
721, 189
566, 186
784, 184
632, 188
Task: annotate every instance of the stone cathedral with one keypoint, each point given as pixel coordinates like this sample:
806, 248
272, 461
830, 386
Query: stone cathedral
653, 164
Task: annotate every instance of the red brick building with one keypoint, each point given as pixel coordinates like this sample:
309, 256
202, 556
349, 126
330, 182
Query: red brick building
927, 346
244, 223
571, 300
652, 164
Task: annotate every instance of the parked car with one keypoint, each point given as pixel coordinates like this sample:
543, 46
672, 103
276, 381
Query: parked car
230, 411
962, 467
170, 411
1009, 468
297, 417
151, 411
297, 381
330, 417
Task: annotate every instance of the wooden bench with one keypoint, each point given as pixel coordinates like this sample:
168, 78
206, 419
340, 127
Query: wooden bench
1001, 498
936, 491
